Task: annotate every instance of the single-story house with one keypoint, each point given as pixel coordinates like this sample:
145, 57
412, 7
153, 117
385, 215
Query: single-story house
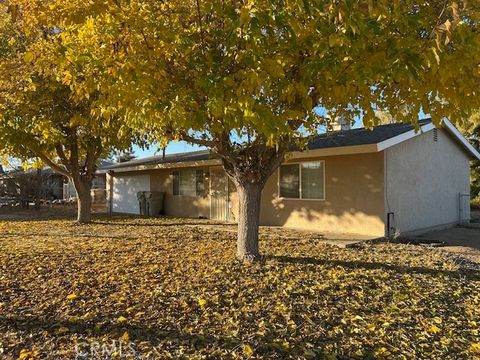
20, 183
98, 184
391, 179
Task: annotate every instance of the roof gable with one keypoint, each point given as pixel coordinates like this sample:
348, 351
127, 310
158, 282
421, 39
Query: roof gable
361, 136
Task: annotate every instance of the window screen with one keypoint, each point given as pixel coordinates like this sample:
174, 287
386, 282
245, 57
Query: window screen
290, 181
200, 183
189, 183
312, 180
176, 183
302, 181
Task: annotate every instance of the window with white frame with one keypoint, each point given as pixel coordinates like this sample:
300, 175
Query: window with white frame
302, 181
189, 182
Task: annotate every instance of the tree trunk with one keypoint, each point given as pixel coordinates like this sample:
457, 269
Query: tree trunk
83, 187
249, 196
84, 210
38, 189
249, 170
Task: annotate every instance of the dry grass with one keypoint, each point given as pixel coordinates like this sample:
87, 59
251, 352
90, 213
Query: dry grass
162, 289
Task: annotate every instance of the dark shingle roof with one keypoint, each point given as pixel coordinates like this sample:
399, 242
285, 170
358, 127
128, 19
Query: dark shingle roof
159, 159
360, 136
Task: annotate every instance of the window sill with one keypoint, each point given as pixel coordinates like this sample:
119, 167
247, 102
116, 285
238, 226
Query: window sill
189, 196
298, 199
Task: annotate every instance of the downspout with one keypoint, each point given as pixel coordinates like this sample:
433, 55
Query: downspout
461, 220
390, 216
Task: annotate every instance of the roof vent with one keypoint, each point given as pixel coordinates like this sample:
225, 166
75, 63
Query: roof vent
340, 124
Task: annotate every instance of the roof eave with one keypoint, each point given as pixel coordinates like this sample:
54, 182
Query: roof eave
332, 151
184, 164
335, 151
474, 154
383, 145
447, 125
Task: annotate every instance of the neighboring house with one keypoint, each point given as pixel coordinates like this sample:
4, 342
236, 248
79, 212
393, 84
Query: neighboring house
98, 184
22, 183
373, 182
53, 186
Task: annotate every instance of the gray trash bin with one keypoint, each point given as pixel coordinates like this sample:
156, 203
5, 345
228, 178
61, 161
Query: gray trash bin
142, 202
154, 201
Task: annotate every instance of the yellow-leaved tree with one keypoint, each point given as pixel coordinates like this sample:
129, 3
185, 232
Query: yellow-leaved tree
44, 114
471, 130
245, 77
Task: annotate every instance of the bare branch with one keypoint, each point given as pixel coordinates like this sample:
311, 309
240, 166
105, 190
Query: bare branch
61, 154
194, 140
55, 167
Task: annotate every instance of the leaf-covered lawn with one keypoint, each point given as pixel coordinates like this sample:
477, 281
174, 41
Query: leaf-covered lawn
168, 288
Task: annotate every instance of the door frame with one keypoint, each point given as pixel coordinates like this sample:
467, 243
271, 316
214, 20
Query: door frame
227, 193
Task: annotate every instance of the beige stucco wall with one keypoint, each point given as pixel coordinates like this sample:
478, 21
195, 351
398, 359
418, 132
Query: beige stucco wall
354, 198
423, 180
179, 205
353, 205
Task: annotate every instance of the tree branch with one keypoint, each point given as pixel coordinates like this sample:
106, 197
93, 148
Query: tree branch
92, 156
192, 139
55, 167
61, 154
201, 25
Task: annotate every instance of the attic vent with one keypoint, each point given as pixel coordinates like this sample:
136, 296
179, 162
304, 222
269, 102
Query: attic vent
435, 134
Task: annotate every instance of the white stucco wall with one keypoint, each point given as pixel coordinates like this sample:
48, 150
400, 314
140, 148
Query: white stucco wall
125, 188
423, 182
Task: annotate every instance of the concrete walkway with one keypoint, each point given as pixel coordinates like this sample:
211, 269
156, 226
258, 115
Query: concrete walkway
463, 241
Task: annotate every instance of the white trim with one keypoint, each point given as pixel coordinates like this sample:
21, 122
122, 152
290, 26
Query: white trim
447, 125
403, 137
458, 135
300, 181
333, 151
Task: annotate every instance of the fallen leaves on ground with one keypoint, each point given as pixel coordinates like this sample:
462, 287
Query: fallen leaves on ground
170, 288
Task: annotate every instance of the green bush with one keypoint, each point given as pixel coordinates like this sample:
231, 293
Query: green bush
475, 203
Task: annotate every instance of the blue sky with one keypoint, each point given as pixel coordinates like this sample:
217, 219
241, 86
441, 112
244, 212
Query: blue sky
180, 146
173, 147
